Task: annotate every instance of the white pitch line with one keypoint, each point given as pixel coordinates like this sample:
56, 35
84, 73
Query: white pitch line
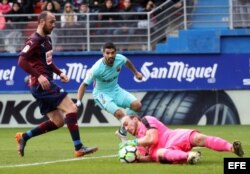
56, 161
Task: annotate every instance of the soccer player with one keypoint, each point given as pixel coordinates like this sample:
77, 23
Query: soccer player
36, 59
167, 145
107, 93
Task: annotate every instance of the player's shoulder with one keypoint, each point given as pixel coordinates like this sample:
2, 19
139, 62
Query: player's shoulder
33, 39
97, 65
120, 56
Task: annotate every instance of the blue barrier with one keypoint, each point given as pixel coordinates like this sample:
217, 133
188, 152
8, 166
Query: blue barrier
160, 71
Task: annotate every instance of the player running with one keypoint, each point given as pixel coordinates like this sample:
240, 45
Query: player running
107, 94
36, 59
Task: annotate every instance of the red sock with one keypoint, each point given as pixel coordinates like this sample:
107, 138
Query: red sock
71, 121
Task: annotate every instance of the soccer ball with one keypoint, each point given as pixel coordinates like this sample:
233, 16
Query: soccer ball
127, 154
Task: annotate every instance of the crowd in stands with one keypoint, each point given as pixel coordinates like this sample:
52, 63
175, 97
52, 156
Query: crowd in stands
77, 6
72, 16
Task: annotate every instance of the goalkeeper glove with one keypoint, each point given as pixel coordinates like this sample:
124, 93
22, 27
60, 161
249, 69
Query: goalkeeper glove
132, 142
129, 143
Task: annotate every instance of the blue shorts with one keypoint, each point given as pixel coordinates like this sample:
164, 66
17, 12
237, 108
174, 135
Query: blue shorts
111, 101
48, 100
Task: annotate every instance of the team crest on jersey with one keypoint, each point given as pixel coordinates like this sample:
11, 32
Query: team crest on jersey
118, 69
49, 56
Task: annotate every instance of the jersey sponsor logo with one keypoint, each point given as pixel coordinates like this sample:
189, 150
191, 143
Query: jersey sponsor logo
178, 70
49, 56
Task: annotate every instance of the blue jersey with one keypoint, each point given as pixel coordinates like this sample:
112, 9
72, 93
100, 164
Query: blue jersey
105, 77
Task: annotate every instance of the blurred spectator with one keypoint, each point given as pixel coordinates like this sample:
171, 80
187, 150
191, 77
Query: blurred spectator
121, 5
82, 24
63, 2
37, 5
54, 7
116, 3
140, 4
68, 18
71, 31
2, 21
107, 21
144, 21
128, 23
83, 10
51, 5
15, 22
15, 19
94, 6
5, 7
27, 8
77, 3
2, 33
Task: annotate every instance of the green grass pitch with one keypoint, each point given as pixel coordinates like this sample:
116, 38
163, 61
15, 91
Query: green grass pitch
52, 153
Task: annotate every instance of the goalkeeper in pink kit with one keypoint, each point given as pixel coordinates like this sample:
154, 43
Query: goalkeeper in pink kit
156, 142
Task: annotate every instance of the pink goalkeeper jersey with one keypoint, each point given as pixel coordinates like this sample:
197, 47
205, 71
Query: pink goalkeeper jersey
168, 138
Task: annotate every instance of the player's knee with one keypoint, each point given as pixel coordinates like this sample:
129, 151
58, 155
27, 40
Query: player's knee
72, 108
199, 139
58, 122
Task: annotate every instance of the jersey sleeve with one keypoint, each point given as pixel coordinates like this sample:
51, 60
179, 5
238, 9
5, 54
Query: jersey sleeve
89, 77
29, 49
122, 58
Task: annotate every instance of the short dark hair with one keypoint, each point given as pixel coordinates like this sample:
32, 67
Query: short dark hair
109, 45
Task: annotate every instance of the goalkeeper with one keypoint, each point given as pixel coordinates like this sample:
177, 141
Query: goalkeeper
167, 145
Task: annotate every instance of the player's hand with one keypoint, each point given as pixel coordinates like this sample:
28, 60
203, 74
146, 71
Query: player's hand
77, 102
45, 84
64, 78
138, 75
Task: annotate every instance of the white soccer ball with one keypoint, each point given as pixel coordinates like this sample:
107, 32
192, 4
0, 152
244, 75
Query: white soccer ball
127, 154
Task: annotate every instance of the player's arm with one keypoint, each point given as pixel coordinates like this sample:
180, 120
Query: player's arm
82, 88
132, 68
25, 65
143, 158
81, 91
64, 78
80, 94
149, 139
